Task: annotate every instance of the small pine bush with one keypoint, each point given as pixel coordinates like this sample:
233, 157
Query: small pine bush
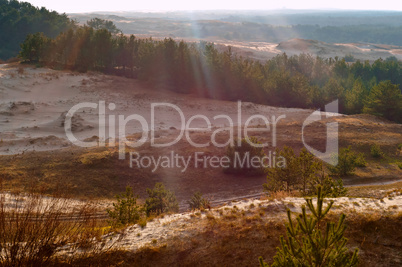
309, 243
330, 187
125, 211
197, 201
160, 200
376, 151
360, 160
346, 162
297, 173
287, 177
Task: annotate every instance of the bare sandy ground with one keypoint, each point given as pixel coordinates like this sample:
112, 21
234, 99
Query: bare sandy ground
186, 225
33, 106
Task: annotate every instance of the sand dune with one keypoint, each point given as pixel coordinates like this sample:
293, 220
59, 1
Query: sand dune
34, 104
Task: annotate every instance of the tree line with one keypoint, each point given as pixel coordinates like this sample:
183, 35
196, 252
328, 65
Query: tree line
300, 81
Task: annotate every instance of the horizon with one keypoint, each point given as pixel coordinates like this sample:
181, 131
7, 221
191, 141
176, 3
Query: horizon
91, 6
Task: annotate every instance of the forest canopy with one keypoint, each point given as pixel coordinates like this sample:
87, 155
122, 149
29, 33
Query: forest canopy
18, 19
300, 81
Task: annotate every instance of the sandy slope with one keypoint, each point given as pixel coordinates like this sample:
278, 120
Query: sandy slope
33, 107
185, 225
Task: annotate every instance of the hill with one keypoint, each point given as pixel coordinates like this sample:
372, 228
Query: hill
35, 149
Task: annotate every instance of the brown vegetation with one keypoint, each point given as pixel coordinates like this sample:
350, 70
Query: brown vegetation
239, 240
33, 229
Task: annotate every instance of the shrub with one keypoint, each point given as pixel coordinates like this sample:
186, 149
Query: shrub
330, 187
34, 47
286, 177
125, 211
346, 162
376, 152
197, 201
160, 200
360, 160
308, 243
298, 172
349, 58
236, 154
309, 167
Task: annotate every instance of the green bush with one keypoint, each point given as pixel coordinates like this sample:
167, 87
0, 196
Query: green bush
330, 187
286, 177
197, 201
160, 200
34, 47
347, 162
125, 211
234, 153
360, 160
309, 166
309, 243
376, 151
300, 170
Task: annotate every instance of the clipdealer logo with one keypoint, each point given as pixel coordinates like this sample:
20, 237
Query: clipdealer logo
330, 155
108, 135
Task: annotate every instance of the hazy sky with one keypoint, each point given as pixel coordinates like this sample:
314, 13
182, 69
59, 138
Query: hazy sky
71, 6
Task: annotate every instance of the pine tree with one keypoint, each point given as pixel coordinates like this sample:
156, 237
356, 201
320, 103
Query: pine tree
287, 177
385, 99
126, 210
99, 24
160, 200
34, 46
197, 201
309, 244
309, 167
347, 162
354, 98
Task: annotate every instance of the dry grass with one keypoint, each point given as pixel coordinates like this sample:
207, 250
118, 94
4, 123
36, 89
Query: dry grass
78, 173
375, 191
33, 228
279, 195
91, 172
240, 241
